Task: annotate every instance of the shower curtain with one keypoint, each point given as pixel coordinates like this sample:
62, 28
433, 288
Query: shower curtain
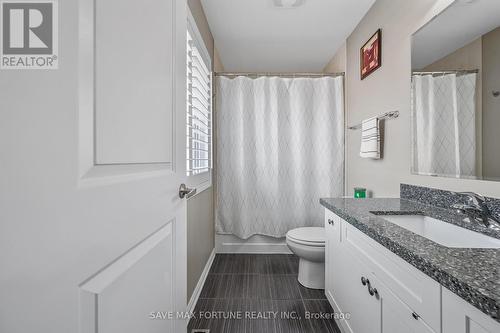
280, 148
444, 126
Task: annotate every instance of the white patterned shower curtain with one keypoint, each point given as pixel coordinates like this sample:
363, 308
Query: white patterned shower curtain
444, 126
280, 147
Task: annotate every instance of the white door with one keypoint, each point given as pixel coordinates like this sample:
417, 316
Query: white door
92, 230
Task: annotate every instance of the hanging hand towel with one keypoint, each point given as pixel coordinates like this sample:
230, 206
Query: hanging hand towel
370, 139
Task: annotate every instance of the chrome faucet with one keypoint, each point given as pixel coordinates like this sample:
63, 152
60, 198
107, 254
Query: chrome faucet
477, 210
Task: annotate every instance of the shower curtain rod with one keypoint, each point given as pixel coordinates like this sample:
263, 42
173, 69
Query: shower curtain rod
471, 71
279, 74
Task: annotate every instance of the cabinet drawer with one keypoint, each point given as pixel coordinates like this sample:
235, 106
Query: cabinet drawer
414, 288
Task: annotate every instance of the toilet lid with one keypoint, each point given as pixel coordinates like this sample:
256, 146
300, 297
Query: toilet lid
308, 234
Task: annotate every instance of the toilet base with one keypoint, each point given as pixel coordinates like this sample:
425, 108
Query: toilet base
311, 274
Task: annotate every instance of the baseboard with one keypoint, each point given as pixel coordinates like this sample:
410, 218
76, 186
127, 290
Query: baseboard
256, 244
341, 323
199, 286
262, 248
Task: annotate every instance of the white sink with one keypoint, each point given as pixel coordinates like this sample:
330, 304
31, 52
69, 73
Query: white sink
443, 233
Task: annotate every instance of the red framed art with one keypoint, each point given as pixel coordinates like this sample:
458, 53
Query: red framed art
371, 55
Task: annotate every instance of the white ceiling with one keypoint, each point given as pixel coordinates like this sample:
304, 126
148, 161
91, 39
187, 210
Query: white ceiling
457, 26
256, 36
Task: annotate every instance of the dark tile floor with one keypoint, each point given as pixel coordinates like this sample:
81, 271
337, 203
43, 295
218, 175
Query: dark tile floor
247, 293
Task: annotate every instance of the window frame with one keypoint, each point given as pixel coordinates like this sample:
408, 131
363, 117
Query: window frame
201, 181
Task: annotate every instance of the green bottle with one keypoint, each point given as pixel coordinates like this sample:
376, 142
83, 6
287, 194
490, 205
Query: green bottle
359, 192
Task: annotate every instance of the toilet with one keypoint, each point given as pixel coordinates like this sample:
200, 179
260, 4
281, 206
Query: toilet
309, 245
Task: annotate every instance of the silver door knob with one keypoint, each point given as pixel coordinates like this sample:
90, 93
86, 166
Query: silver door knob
185, 192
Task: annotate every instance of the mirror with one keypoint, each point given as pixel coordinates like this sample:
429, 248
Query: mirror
456, 92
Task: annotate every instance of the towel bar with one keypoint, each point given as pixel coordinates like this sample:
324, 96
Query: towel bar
387, 115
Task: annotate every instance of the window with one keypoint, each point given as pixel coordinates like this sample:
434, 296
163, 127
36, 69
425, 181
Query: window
199, 105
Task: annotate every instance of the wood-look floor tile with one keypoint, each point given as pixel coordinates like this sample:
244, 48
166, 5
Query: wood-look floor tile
237, 286
228, 264
291, 317
236, 321
260, 317
204, 318
308, 293
321, 324
256, 264
284, 287
254, 285
258, 286
218, 264
282, 264
216, 286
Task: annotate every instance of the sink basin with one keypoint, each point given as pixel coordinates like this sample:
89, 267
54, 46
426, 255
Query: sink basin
443, 233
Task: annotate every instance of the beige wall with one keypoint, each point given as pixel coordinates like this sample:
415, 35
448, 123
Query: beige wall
338, 62
200, 212
491, 105
202, 23
201, 236
218, 66
389, 89
467, 57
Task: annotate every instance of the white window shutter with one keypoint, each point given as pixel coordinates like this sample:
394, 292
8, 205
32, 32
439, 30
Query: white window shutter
199, 109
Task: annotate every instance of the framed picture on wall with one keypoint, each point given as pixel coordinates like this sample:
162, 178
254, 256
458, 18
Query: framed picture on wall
371, 54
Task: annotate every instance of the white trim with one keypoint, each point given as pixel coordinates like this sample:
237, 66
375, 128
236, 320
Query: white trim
199, 286
255, 244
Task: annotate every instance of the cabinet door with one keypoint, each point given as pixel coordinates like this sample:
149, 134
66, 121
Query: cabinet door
353, 297
396, 315
332, 231
461, 317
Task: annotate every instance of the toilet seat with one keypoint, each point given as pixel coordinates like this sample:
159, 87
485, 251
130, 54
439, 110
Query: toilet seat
309, 236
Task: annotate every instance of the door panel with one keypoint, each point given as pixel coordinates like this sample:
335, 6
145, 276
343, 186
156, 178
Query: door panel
126, 292
65, 220
133, 81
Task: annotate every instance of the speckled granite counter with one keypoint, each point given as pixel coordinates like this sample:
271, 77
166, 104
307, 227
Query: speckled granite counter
473, 274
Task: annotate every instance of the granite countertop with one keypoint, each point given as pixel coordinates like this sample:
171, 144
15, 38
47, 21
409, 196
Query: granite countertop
472, 274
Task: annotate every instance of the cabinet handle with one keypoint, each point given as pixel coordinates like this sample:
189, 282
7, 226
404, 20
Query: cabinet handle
364, 281
415, 315
330, 221
373, 291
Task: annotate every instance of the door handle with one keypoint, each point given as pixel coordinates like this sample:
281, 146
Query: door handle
185, 192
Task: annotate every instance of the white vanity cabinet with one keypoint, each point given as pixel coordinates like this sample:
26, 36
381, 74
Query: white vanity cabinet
356, 265
461, 317
406, 300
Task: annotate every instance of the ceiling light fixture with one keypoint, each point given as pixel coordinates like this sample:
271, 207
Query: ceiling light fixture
288, 3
